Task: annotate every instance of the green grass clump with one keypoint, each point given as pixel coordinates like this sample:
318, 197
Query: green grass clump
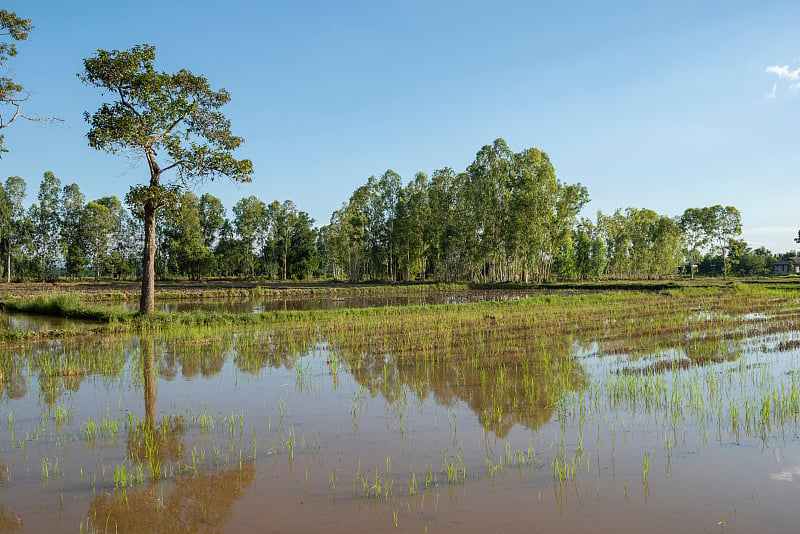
64, 305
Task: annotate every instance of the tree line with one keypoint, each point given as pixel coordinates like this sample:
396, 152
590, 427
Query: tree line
505, 218
61, 235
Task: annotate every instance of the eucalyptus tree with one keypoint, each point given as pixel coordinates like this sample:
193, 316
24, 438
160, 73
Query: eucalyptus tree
441, 233
186, 241
116, 212
641, 243
249, 214
590, 251
173, 122
46, 224
533, 194
126, 249
711, 227
73, 231
358, 227
212, 218
412, 228
558, 223
727, 228
267, 242
614, 229
302, 258
516, 216
285, 216
640, 225
98, 223
12, 193
488, 195
228, 253
387, 189
698, 227
542, 213
667, 239
334, 240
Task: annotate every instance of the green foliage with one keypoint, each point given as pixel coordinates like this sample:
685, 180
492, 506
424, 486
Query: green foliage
74, 237
640, 243
505, 219
46, 225
12, 219
185, 240
12, 30
172, 117
63, 305
156, 112
99, 224
712, 228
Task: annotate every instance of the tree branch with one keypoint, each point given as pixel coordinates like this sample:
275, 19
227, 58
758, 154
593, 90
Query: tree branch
130, 106
173, 165
169, 129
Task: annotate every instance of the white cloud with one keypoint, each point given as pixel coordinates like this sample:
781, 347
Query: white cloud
787, 475
771, 94
784, 73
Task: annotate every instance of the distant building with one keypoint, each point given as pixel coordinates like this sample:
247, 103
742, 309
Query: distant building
792, 265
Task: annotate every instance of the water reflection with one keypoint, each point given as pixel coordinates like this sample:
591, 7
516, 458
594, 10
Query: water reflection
9, 520
280, 396
199, 503
148, 441
502, 386
148, 354
258, 305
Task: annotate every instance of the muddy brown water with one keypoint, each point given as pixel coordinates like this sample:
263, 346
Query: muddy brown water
142, 435
257, 305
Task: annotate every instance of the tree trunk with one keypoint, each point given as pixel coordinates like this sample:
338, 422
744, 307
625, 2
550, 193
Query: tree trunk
8, 266
147, 303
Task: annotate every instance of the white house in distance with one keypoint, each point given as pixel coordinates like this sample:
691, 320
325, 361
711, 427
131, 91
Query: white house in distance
790, 266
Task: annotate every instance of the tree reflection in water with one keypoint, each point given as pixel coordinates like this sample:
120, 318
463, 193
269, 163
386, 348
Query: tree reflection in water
195, 503
150, 441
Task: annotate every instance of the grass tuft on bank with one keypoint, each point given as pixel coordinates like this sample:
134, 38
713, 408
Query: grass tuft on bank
64, 305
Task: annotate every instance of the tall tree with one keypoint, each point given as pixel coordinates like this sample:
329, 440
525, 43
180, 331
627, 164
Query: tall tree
698, 227
12, 193
212, 218
590, 251
12, 95
728, 228
173, 122
46, 224
302, 257
185, 237
74, 242
249, 213
285, 219
98, 226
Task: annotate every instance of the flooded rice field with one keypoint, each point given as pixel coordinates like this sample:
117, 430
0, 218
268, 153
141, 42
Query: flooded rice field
333, 302
607, 413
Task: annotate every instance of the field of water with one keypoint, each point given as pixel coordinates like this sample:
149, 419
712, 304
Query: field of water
614, 412
335, 302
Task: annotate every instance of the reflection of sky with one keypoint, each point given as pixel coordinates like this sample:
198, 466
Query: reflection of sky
788, 475
27, 322
335, 302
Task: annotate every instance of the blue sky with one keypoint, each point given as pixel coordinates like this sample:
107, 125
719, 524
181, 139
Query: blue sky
665, 106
